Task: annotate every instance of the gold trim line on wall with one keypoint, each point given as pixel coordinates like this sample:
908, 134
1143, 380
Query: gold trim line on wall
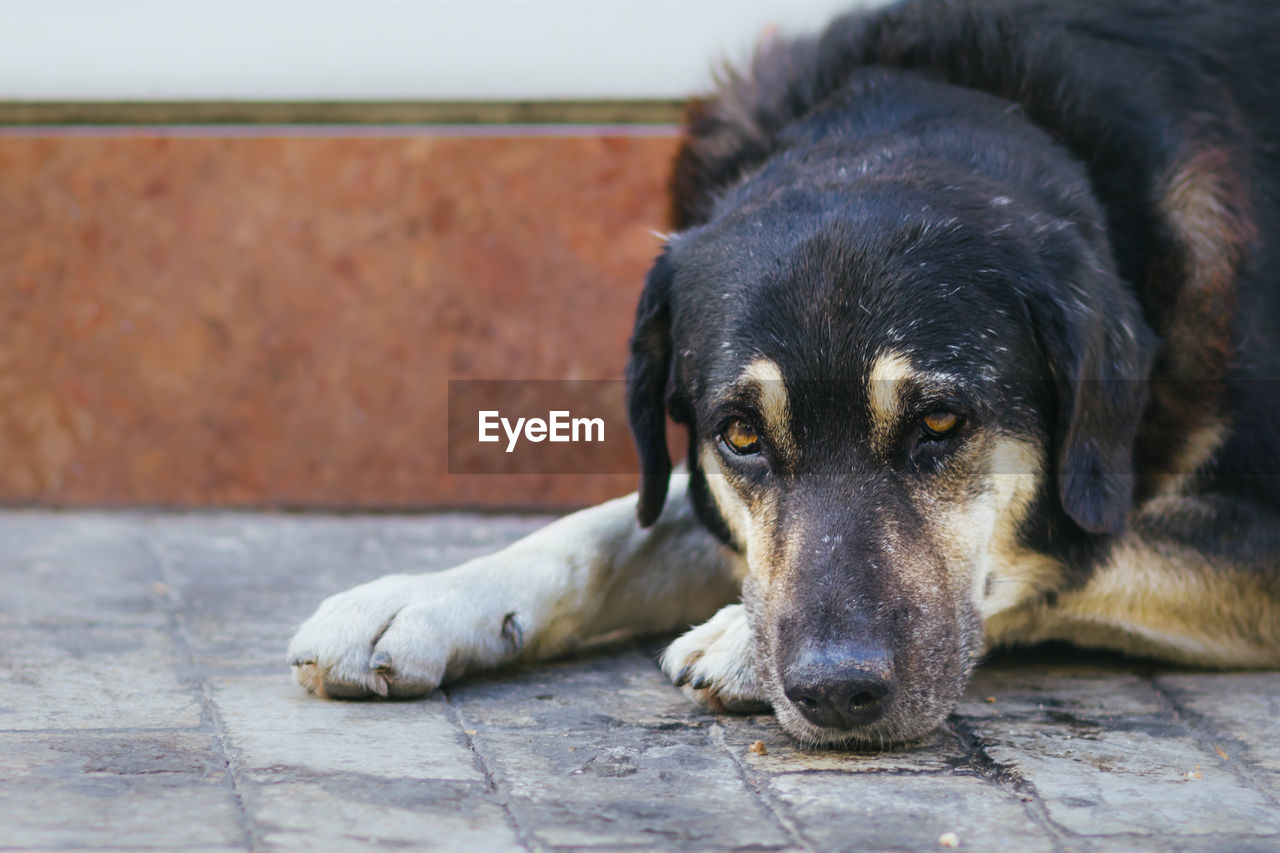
132, 113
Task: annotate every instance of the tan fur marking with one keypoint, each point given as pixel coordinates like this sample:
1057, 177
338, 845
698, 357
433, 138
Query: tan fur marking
1205, 200
1163, 602
311, 677
979, 535
734, 510
1160, 600
1016, 573
771, 394
1148, 601
752, 526
1196, 451
884, 389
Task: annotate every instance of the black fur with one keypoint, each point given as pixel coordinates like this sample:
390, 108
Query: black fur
1070, 208
1083, 110
647, 382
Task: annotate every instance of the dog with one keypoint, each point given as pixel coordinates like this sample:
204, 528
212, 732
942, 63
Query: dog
970, 311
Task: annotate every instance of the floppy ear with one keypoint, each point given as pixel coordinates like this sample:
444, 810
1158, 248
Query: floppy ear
648, 372
1100, 352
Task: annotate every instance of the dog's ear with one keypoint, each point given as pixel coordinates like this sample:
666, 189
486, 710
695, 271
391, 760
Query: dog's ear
648, 374
1100, 353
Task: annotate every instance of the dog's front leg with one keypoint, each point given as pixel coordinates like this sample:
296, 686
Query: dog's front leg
591, 573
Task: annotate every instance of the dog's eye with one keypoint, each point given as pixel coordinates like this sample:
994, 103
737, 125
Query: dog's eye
941, 423
741, 438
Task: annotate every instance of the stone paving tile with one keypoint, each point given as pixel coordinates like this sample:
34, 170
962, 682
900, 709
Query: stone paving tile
243, 583
268, 561
235, 569
144, 703
603, 751
1109, 754
1106, 779
1214, 843
1060, 687
54, 571
349, 815
275, 729
1239, 712
92, 677
875, 811
115, 789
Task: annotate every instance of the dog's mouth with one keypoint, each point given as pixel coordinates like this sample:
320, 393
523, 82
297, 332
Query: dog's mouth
860, 696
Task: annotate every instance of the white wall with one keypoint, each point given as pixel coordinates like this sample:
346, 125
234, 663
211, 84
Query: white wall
379, 49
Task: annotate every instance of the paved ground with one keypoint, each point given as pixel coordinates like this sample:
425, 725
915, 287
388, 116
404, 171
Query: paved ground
144, 704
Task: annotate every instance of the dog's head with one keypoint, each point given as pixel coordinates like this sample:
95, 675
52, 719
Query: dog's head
882, 386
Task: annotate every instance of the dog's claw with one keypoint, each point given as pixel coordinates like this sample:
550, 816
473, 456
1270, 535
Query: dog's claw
301, 661
683, 676
380, 661
701, 683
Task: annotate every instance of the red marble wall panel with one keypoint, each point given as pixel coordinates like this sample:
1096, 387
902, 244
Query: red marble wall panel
255, 321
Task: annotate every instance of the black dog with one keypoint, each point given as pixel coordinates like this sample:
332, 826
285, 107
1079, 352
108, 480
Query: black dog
969, 316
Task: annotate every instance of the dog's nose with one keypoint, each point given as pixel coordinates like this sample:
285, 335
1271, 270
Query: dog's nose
840, 688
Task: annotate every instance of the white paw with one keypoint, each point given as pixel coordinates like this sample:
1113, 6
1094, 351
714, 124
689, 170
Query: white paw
712, 662
401, 636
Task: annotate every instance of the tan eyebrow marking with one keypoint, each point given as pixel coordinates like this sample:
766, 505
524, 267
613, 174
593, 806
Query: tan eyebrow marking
884, 389
771, 395
891, 376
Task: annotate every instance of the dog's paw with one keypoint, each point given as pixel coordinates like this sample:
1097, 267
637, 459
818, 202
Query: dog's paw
399, 636
712, 662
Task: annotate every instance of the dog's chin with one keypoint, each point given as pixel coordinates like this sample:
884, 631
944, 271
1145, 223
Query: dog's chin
891, 730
